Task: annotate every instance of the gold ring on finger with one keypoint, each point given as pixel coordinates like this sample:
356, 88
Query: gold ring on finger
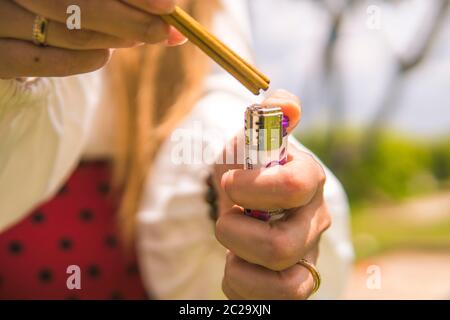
314, 272
40, 27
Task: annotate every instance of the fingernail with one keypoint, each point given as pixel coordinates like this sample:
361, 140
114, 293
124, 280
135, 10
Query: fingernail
170, 43
175, 38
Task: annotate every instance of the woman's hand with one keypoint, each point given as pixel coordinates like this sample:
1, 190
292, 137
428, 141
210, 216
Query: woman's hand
104, 25
262, 259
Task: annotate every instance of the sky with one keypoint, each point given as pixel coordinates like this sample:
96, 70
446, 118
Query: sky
290, 37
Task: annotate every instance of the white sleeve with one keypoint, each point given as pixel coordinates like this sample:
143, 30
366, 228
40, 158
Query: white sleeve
43, 124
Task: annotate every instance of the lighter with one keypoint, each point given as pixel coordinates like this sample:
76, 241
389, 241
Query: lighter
266, 142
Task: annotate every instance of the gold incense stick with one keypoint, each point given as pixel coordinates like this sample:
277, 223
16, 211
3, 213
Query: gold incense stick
248, 75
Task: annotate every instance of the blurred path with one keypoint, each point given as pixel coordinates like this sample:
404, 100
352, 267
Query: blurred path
425, 209
407, 272
404, 275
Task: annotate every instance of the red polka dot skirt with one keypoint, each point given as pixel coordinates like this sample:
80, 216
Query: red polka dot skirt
70, 242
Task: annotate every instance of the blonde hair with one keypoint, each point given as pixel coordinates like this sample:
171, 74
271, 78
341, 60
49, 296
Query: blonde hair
154, 88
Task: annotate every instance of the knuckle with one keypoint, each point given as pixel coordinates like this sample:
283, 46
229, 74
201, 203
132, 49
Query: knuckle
220, 229
293, 187
322, 177
316, 167
299, 185
326, 222
280, 251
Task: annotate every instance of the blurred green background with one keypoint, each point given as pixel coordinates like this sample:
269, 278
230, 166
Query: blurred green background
386, 183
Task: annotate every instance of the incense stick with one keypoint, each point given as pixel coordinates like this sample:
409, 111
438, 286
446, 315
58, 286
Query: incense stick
248, 75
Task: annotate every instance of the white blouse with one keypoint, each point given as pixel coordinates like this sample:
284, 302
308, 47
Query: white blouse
49, 124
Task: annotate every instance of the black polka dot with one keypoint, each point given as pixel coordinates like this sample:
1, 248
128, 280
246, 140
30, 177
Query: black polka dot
93, 271
103, 188
116, 296
111, 241
15, 247
132, 269
65, 244
86, 215
37, 218
45, 275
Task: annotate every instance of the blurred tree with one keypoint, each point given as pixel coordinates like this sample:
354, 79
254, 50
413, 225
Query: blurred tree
416, 55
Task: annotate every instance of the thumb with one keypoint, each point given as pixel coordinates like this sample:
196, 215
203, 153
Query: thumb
289, 104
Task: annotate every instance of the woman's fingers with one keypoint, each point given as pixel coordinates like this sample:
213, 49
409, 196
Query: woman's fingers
59, 36
289, 103
24, 59
230, 293
277, 245
110, 17
263, 259
281, 187
160, 7
298, 186
274, 188
153, 6
249, 281
17, 23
